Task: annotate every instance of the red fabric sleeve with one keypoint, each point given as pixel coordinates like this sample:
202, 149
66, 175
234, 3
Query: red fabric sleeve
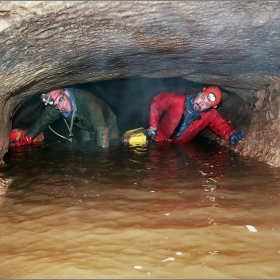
160, 103
221, 126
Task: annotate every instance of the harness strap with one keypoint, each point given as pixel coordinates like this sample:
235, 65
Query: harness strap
72, 120
69, 128
177, 128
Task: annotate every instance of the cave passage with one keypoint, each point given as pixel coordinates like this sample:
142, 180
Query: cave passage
129, 98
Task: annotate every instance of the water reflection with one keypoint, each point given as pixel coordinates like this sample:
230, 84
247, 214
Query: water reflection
153, 211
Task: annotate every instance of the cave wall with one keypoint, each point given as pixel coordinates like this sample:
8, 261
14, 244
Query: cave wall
263, 133
232, 44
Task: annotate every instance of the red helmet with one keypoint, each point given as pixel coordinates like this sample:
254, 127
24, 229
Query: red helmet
51, 96
214, 95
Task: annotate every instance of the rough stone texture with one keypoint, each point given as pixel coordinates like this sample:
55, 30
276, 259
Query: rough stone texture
232, 44
263, 134
4, 184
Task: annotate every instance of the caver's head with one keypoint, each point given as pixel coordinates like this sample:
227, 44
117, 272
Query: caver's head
207, 98
59, 98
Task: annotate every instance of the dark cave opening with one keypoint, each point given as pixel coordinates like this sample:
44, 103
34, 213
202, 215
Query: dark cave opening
129, 98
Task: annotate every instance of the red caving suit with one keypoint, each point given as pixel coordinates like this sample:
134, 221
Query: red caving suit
173, 106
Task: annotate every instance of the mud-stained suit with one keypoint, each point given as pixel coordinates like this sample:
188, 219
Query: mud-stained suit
93, 116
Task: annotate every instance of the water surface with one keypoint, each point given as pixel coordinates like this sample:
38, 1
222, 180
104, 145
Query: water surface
154, 211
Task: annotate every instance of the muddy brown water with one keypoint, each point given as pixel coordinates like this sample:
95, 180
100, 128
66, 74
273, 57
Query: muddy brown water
153, 211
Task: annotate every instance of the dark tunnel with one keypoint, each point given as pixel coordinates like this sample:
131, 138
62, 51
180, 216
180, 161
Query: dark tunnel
130, 100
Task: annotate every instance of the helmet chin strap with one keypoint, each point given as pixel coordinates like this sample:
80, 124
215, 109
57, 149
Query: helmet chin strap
206, 110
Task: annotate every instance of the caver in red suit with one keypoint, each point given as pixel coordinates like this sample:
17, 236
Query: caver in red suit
180, 117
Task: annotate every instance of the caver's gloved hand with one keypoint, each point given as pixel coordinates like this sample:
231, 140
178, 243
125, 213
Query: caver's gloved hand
25, 141
151, 131
236, 136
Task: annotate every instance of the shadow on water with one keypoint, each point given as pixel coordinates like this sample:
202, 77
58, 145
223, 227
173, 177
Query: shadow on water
152, 211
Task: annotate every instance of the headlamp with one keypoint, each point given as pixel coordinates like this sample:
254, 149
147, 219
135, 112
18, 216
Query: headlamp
212, 96
46, 98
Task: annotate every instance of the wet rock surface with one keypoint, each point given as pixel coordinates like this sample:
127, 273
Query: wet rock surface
263, 134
